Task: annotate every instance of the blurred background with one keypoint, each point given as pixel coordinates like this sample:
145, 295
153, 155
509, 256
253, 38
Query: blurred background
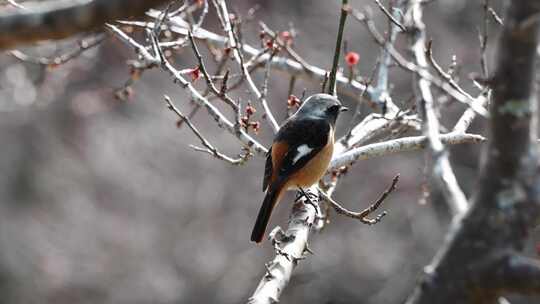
102, 200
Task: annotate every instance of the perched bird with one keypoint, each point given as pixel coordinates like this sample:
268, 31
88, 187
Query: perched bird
300, 153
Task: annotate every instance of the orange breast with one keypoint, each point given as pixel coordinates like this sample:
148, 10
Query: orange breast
314, 169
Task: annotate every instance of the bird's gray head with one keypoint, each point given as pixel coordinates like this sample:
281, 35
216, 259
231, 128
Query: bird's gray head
323, 106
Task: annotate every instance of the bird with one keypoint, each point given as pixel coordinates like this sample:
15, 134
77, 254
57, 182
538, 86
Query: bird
300, 154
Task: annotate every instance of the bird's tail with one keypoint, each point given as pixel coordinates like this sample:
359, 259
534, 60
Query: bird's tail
270, 200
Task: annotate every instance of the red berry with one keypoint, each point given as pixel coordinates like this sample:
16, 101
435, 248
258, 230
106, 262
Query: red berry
250, 110
244, 121
256, 126
352, 58
195, 73
293, 101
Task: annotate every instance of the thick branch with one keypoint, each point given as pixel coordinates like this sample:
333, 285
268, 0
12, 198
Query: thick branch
403, 144
63, 18
507, 204
290, 248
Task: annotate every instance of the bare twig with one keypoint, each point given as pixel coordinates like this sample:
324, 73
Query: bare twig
483, 36
337, 52
237, 51
363, 215
495, 16
371, 125
82, 46
289, 66
220, 93
441, 169
421, 72
389, 15
202, 16
220, 119
290, 51
208, 148
468, 116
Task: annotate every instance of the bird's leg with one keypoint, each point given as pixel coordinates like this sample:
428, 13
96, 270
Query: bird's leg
308, 200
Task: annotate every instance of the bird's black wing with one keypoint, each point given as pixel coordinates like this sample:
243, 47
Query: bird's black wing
305, 138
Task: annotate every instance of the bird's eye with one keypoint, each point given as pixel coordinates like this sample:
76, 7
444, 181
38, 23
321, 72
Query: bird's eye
334, 108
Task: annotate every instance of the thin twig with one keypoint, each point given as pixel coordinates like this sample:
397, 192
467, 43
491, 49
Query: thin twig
237, 54
209, 148
82, 45
468, 116
483, 37
390, 17
447, 77
289, 66
15, 4
222, 95
288, 49
421, 72
337, 52
363, 215
221, 120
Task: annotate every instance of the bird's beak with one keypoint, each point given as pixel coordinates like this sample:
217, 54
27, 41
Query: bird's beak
343, 109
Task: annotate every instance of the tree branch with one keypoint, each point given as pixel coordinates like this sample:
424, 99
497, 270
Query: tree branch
239, 57
292, 67
208, 147
290, 248
403, 144
507, 205
337, 52
220, 119
441, 169
362, 216
69, 55
63, 18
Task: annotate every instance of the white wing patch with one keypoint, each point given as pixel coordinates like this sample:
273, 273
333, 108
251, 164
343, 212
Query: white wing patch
301, 151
